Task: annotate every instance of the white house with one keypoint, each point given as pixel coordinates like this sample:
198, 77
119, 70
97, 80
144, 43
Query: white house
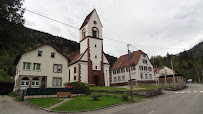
90, 63
42, 66
141, 69
162, 71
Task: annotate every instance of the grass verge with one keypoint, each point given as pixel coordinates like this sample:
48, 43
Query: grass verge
44, 102
17, 98
81, 103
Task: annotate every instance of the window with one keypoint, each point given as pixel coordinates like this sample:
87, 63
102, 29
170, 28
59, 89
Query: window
83, 33
145, 68
74, 77
25, 81
95, 45
114, 79
141, 67
118, 71
39, 53
57, 68
144, 56
122, 70
123, 78
126, 69
95, 67
144, 61
74, 70
36, 66
94, 32
141, 76
57, 81
35, 82
95, 57
119, 78
26, 66
146, 77
150, 76
52, 55
133, 67
149, 68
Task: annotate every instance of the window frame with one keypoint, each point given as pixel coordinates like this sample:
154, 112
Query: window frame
35, 67
53, 54
57, 68
26, 66
57, 78
39, 53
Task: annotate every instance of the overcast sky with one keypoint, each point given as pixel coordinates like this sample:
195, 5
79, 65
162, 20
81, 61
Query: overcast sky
154, 26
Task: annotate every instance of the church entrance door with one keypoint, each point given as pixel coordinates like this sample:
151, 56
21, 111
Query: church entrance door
96, 80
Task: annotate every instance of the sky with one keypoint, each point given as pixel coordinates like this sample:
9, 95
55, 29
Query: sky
156, 27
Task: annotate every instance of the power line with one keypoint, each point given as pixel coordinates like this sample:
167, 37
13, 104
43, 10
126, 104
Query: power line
91, 32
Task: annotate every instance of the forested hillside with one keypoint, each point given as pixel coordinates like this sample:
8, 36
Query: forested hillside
15, 39
188, 63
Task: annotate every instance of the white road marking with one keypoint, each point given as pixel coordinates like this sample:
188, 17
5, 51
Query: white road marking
201, 91
182, 92
177, 92
188, 91
150, 112
195, 91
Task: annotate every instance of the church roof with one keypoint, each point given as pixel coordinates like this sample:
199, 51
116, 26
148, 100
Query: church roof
87, 19
76, 56
123, 60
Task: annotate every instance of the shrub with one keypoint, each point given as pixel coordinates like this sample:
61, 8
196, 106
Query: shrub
125, 97
82, 85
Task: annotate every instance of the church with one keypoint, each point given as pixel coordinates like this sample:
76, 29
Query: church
90, 63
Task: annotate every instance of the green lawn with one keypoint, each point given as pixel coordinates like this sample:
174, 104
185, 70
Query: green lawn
145, 87
44, 102
107, 88
81, 103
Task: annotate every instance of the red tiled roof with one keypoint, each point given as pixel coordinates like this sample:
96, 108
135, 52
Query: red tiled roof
87, 19
123, 60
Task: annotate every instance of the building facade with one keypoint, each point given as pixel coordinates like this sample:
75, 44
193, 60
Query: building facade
41, 67
90, 63
161, 71
141, 69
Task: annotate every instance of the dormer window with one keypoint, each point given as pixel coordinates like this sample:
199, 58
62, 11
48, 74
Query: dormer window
83, 33
95, 32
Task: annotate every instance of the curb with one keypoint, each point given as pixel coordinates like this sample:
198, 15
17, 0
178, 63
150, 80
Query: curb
45, 109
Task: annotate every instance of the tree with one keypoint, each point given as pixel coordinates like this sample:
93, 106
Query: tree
11, 11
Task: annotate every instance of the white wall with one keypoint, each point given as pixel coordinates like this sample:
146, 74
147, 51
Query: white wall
84, 71
46, 64
106, 74
72, 74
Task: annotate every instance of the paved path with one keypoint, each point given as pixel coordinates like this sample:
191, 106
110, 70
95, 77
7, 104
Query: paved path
54, 106
9, 106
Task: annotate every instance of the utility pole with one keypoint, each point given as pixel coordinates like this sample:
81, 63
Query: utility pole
165, 75
174, 81
130, 81
198, 76
107, 79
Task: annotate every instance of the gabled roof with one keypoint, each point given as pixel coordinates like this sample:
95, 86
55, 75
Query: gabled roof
88, 18
76, 56
123, 60
17, 58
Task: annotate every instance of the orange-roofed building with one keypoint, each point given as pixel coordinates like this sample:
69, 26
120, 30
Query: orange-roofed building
141, 69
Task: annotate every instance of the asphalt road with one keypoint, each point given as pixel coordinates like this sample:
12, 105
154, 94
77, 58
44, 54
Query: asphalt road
186, 101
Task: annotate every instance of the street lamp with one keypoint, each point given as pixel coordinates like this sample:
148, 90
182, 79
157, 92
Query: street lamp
174, 82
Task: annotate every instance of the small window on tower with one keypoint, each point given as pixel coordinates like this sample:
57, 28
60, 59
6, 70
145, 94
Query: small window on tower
95, 32
95, 57
83, 33
95, 45
95, 67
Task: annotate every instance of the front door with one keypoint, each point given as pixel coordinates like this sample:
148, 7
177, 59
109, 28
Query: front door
96, 80
44, 81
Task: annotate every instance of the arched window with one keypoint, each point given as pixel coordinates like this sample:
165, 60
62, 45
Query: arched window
83, 33
95, 32
35, 82
25, 81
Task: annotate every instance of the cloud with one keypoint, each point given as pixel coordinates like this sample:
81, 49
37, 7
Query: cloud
154, 26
